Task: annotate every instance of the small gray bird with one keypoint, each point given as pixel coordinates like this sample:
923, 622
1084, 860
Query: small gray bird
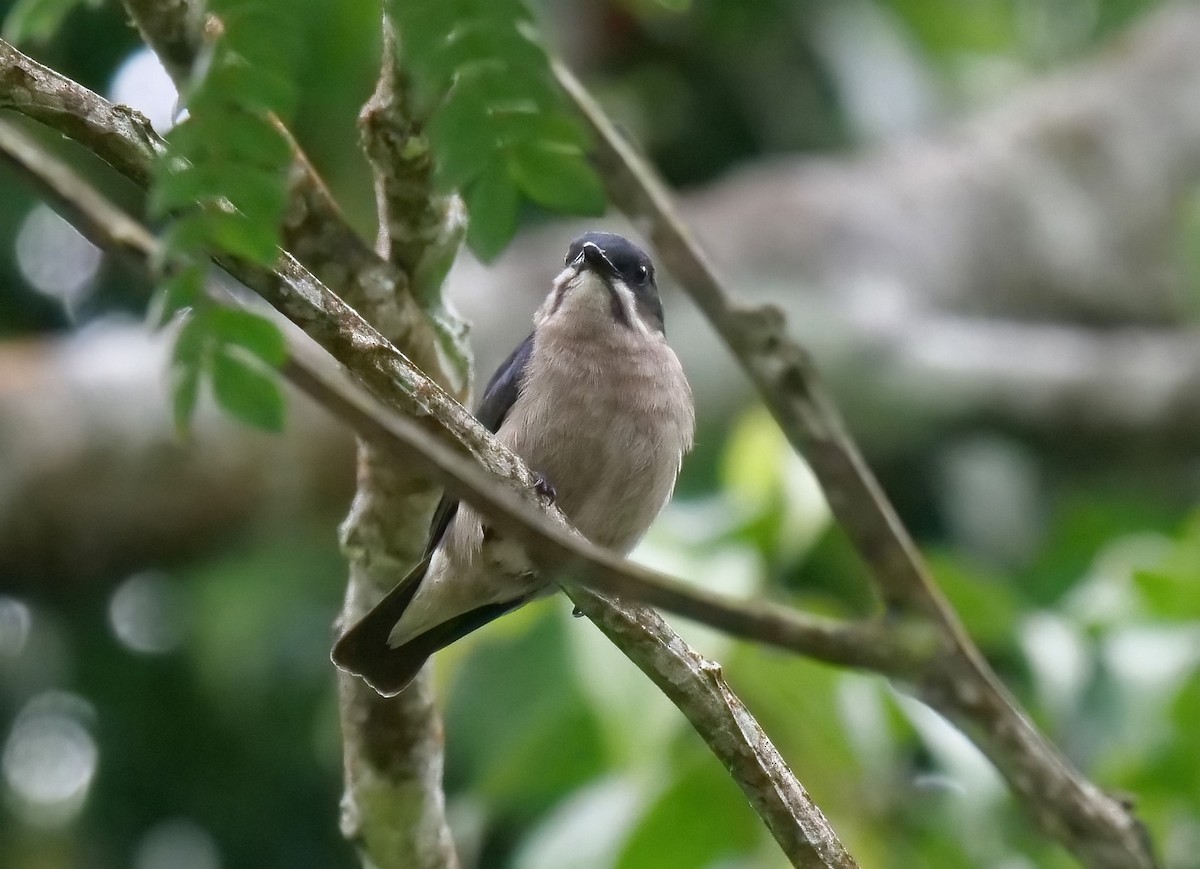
596, 403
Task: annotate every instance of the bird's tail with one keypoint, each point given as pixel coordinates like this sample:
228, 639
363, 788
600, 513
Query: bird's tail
364, 651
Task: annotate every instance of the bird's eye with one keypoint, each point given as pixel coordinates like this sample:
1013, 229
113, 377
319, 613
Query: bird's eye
642, 273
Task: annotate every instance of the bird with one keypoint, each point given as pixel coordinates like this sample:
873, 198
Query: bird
596, 403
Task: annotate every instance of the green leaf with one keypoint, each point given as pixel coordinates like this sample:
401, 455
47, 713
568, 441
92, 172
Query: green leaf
248, 392
194, 340
253, 191
699, 820
1168, 595
505, 47
188, 361
247, 138
493, 202
253, 33
255, 334
233, 81
240, 235
185, 390
557, 177
463, 138
424, 26
178, 292
549, 129
986, 604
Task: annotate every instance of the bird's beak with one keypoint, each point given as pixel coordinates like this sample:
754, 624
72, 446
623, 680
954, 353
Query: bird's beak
594, 260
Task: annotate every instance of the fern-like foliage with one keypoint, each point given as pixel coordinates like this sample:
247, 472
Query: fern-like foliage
499, 128
221, 185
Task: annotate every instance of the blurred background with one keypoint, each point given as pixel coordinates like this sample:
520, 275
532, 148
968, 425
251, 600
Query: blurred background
982, 216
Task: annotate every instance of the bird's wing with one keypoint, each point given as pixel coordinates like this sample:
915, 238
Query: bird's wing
499, 396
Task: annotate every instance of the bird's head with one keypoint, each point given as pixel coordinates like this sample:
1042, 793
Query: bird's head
609, 276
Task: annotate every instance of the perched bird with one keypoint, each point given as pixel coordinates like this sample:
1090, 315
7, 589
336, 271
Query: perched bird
596, 403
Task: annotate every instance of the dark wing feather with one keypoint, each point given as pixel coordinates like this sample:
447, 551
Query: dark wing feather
389, 670
364, 651
499, 396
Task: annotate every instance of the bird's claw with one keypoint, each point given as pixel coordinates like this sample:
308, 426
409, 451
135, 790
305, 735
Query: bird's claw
544, 488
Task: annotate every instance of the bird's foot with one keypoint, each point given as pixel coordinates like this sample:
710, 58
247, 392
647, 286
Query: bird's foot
544, 488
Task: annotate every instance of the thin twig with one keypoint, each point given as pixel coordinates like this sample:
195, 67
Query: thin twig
503, 492
1101, 830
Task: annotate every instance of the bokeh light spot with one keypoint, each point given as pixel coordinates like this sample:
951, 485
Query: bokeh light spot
142, 83
54, 258
15, 621
145, 615
50, 757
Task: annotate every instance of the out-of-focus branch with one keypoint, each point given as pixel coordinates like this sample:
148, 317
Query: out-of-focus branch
505, 491
1114, 385
1060, 202
1101, 830
173, 28
97, 484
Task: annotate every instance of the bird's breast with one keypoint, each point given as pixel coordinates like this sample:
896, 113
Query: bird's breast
605, 418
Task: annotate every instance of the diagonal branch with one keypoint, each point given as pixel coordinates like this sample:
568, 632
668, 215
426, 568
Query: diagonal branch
386, 526
1100, 830
504, 491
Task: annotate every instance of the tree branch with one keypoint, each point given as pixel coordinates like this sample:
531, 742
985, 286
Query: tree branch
1100, 830
384, 533
314, 228
419, 229
123, 491
693, 683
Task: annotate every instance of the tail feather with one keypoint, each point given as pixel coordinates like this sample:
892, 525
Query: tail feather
364, 651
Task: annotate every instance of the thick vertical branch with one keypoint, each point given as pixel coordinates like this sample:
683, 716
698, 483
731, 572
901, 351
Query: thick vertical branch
419, 229
393, 804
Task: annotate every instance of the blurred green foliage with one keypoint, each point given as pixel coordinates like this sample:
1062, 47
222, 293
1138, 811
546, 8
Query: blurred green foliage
221, 185
498, 126
186, 716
